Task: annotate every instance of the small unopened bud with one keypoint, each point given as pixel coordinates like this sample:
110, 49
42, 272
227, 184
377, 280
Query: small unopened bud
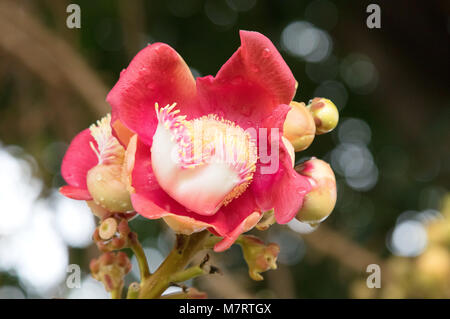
110, 268
299, 127
107, 188
94, 266
259, 257
118, 243
325, 114
108, 228
320, 201
107, 258
123, 228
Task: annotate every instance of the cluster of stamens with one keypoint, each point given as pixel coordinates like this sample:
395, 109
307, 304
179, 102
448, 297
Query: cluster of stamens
211, 139
109, 149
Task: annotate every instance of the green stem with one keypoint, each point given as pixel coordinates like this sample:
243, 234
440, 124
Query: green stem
185, 248
133, 290
187, 274
117, 293
138, 251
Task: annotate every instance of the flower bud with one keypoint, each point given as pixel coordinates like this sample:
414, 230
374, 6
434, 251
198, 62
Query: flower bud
299, 127
259, 257
319, 202
108, 228
325, 114
124, 228
106, 187
110, 268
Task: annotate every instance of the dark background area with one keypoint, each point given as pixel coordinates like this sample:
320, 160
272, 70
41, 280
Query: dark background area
390, 153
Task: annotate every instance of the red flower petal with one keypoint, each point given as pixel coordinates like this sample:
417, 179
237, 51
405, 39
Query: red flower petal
156, 74
75, 192
79, 159
284, 189
250, 85
151, 201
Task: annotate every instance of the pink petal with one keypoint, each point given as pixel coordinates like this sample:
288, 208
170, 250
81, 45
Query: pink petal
284, 191
79, 159
250, 85
150, 201
156, 74
75, 192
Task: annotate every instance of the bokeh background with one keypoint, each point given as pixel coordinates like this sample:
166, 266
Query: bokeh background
390, 152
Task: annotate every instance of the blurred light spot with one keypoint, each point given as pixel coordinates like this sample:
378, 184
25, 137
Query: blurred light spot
364, 182
355, 162
220, 13
356, 131
301, 228
43, 257
333, 90
322, 13
241, 5
11, 292
90, 289
292, 247
429, 215
74, 219
30, 246
18, 191
184, 8
304, 40
359, 73
324, 70
408, 239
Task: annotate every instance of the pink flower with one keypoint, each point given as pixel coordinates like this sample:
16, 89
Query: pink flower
93, 168
191, 188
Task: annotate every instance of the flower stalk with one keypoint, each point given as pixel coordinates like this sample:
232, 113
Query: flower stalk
138, 251
186, 247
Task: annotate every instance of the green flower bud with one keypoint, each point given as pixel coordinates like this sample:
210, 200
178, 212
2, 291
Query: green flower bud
325, 114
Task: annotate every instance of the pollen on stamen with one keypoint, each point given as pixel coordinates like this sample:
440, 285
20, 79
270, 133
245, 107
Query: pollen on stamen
109, 149
212, 139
